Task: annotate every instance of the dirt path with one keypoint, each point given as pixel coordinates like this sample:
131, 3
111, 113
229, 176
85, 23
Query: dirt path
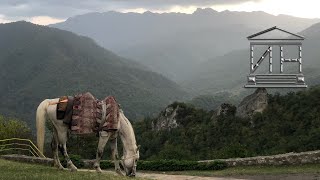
181, 177
167, 176
243, 177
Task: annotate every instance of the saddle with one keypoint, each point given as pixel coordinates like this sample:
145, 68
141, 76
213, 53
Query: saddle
86, 114
64, 109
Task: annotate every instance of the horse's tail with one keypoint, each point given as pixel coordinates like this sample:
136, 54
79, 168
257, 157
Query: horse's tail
40, 123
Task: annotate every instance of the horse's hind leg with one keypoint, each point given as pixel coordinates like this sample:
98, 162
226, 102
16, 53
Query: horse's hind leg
54, 147
103, 139
63, 149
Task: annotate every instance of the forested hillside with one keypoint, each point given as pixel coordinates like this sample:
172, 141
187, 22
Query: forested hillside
39, 62
291, 123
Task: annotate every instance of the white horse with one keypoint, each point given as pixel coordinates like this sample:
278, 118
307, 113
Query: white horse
47, 110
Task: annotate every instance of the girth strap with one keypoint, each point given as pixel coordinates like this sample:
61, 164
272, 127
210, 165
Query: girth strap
103, 118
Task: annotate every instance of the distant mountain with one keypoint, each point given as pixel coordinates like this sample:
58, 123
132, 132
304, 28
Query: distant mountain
228, 72
39, 62
173, 43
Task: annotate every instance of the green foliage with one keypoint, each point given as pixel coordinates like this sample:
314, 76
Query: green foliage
76, 159
291, 123
11, 127
106, 164
175, 165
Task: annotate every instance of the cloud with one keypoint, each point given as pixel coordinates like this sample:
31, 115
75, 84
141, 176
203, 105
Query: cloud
65, 8
45, 20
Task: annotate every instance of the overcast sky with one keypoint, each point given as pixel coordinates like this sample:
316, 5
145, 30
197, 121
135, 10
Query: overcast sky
52, 11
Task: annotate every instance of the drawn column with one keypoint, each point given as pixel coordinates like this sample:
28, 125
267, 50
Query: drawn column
251, 58
270, 59
300, 59
281, 59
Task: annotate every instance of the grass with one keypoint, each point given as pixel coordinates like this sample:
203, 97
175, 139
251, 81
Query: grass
256, 170
22, 171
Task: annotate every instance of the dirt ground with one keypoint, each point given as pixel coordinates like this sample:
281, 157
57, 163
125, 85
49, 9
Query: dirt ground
251, 177
181, 177
283, 177
164, 176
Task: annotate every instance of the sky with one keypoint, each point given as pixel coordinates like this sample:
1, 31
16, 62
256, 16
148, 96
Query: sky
46, 12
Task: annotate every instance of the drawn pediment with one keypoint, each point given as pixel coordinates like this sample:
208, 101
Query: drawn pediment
275, 33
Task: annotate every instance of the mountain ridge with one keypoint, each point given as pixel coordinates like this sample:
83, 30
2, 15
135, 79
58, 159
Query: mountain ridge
42, 62
173, 43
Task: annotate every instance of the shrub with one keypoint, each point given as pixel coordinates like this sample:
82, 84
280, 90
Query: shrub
174, 165
214, 165
76, 159
106, 165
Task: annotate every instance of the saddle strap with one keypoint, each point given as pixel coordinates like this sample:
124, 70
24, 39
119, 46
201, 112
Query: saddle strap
103, 118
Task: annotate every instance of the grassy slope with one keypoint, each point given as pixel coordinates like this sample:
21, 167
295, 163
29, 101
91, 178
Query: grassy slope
15, 170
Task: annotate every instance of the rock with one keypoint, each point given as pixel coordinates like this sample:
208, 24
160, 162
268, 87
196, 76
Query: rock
309, 157
167, 119
226, 110
256, 102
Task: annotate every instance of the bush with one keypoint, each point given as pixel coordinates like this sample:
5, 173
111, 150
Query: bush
214, 165
11, 127
76, 159
174, 165
106, 165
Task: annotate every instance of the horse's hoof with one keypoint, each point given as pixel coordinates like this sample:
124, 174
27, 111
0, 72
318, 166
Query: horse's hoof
73, 169
60, 167
120, 172
98, 169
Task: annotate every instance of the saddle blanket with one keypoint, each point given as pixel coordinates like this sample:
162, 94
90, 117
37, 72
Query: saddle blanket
112, 114
84, 113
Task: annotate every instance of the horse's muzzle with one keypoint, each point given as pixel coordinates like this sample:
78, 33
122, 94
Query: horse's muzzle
131, 174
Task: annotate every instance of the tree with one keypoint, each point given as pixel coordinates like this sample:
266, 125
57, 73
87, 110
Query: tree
10, 128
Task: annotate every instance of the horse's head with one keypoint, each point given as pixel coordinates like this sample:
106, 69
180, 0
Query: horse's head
129, 163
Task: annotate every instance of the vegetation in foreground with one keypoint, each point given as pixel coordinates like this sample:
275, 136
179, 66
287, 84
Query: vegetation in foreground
256, 170
291, 123
14, 170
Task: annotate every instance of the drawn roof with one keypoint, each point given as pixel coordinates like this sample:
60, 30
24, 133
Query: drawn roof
275, 33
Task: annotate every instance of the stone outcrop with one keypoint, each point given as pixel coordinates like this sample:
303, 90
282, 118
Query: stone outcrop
256, 102
226, 110
276, 160
167, 119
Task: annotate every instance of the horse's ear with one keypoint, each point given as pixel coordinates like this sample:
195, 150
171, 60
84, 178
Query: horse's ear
138, 147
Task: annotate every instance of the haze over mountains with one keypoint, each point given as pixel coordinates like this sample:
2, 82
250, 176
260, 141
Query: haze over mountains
229, 72
39, 62
174, 43
205, 52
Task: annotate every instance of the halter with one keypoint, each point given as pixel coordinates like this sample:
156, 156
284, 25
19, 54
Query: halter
135, 155
134, 162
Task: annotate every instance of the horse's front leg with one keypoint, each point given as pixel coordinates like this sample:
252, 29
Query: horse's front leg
54, 147
115, 155
103, 139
